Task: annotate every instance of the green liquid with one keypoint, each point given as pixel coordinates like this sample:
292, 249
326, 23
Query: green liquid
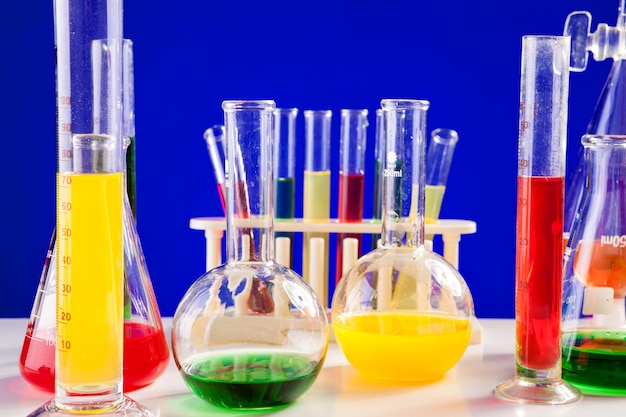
250, 380
316, 206
596, 361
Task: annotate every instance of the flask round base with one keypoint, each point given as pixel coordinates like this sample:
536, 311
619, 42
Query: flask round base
127, 408
538, 391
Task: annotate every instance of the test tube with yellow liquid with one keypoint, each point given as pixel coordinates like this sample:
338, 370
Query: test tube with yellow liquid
438, 161
316, 201
90, 191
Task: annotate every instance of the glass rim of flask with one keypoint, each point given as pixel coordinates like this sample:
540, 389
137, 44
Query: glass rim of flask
404, 103
234, 105
603, 140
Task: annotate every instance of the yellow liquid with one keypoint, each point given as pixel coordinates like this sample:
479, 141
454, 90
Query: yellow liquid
434, 198
402, 346
90, 282
316, 206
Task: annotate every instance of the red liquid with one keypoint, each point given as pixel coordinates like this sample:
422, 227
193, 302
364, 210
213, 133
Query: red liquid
221, 189
146, 355
350, 209
539, 264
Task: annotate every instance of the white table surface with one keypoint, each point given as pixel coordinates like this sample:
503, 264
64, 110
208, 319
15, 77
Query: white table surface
467, 390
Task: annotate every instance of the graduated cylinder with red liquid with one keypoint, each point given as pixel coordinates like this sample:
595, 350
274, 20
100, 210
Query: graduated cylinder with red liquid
539, 231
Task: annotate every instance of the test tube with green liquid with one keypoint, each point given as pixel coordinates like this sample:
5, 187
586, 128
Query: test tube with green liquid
285, 167
316, 200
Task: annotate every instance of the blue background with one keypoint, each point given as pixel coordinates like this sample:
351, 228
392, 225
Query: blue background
464, 57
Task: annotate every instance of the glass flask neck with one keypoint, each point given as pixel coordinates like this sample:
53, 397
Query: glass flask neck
249, 190
403, 172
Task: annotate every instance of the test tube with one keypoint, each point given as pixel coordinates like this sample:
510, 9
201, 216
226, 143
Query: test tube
438, 161
90, 178
316, 201
285, 167
539, 232
351, 177
215, 142
379, 151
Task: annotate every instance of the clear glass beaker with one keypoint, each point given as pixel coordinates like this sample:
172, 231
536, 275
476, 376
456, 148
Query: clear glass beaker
146, 353
402, 312
353, 139
250, 333
594, 276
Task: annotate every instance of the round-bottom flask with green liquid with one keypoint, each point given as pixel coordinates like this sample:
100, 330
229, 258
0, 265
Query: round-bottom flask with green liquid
249, 334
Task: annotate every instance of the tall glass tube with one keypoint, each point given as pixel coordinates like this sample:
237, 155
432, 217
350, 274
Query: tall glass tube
351, 177
128, 122
539, 233
316, 202
90, 255
379, 152
285, 166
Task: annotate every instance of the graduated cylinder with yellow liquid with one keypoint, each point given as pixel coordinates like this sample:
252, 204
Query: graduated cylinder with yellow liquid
91, 260
406, 304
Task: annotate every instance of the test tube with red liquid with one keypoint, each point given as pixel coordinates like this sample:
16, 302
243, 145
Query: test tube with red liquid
539, 232
214, 137
351, 176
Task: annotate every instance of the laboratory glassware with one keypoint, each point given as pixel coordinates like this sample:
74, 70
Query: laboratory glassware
146, 353
90, 251
539, 233
438, 161
402, 312
378, 163
352, 143
214, 138
285, 167
316, 197
249, 333
608, 118
594, 276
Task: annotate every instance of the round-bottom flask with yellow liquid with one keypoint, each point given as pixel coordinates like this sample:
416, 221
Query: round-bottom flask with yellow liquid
402, 312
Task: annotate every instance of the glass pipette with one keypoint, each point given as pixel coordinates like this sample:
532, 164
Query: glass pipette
539, 232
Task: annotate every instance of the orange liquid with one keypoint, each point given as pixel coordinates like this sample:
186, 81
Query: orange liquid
402, 346
601, 263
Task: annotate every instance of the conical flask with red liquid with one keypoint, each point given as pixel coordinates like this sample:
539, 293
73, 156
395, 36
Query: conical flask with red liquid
146, 353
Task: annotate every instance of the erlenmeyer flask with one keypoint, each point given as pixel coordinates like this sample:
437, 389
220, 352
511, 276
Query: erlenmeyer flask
249, 333
402, 312
146, 353
594, 276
